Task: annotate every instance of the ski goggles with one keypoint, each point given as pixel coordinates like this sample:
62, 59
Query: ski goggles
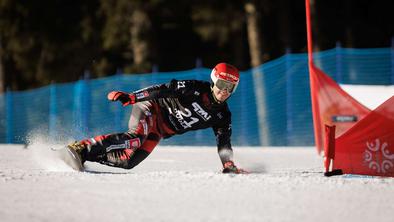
225, 85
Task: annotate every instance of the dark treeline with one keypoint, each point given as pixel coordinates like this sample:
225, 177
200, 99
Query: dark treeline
60, 40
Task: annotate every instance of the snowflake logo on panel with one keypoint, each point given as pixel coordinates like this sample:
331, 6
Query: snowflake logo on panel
379, 163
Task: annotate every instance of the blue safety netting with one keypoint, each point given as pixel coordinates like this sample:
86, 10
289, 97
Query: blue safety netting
270, 107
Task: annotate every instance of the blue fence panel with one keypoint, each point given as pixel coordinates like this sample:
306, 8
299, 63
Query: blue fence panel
3, 119
275, 97
357, 66
301, 131
270, 107
244, 115
28, 113
9, 121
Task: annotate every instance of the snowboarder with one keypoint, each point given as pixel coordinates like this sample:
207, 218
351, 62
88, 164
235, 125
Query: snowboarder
161, 111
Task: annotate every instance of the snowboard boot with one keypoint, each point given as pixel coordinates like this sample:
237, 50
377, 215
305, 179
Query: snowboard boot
79, 148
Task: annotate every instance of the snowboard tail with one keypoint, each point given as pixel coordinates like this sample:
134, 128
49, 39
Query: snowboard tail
71, 158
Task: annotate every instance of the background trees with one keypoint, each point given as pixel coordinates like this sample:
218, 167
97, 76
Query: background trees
59, 40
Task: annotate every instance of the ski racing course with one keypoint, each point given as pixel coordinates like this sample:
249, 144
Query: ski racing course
185, 184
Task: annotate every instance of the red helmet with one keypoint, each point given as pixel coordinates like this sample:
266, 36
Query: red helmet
225, 76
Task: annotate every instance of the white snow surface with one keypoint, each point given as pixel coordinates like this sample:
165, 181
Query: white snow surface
370, 96
185, 184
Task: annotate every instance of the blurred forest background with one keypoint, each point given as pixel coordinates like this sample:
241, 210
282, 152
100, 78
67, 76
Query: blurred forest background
44, 41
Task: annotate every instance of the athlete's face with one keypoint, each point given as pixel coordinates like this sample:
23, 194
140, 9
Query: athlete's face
220, 95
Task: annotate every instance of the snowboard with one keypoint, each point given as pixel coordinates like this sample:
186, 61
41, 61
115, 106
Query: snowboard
70, 157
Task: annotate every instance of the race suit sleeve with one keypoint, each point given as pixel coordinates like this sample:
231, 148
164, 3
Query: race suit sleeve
223, 140
168, 90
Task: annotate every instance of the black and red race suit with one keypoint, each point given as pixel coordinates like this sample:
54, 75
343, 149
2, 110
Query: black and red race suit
162, 111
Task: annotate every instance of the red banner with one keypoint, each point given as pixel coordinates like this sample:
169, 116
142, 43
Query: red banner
332, 106
364, 141
368, 147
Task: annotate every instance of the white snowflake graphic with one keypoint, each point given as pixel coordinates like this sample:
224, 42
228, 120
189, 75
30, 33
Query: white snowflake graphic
371, 157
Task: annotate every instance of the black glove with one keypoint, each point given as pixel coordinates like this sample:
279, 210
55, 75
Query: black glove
125, 98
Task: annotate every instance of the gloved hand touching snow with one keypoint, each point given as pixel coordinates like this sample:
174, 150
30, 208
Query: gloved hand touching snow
229, 167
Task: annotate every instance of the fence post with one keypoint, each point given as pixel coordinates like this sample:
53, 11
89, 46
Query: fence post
116, 110
198, 136
77, 109
392, 60
86, 105
155, 70
245, 137
52, 111
289, 98
198, 69
9, 116
119, 71
259, 89
81, 108
338, 54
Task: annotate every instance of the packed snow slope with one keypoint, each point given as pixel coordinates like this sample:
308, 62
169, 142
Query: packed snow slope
370, 96
185, 184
